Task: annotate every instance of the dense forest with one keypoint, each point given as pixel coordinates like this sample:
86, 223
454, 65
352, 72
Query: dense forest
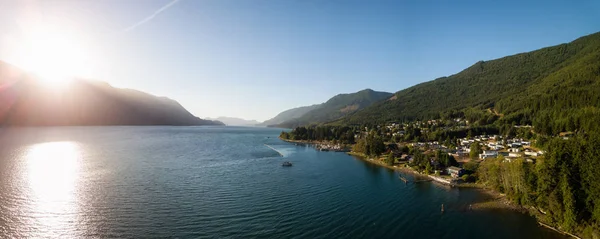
344, 135
563, 184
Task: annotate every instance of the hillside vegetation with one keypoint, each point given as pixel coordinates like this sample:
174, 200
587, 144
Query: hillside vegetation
289, 115
555, 88
337, 107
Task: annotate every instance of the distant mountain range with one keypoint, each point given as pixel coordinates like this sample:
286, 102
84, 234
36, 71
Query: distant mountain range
289, 115
25, 101
235, 121
335, 108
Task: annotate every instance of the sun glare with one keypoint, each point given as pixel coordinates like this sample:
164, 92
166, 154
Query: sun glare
55, 57
53, 170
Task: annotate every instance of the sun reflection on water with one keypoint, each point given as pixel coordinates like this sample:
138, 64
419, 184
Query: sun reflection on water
53, 170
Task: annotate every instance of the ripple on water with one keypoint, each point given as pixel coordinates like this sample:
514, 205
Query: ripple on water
221, 182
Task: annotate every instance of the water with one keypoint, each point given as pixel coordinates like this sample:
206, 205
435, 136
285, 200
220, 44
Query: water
220, 182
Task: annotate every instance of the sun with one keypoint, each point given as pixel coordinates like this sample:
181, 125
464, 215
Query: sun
55, 57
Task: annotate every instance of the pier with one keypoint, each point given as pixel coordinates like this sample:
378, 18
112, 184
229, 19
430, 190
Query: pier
403, 179
417, 180
274, 149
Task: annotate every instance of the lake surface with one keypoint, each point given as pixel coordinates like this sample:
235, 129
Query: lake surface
220, 182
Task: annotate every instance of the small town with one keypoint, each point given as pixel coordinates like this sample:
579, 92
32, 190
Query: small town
451, 161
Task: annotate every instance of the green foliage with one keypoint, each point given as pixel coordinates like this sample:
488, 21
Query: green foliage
371, 145
468, 178
445, 160
389, 160
419, 161
475, 150
471, 166
555, 89
563, 183
344, 135
337, 107
289, 115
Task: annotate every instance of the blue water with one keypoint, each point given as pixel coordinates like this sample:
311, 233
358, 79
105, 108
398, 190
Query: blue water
220, 182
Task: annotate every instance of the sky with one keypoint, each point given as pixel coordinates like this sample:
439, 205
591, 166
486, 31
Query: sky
255, 58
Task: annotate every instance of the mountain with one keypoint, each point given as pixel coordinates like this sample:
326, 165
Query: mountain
236, 121
337, 107
25, 101
555, 88
289, 115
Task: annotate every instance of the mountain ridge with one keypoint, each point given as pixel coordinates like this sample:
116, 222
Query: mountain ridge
289, 114
521, 86
25, 101
336, 107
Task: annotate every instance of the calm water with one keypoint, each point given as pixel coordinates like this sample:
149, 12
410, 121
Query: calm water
193, 182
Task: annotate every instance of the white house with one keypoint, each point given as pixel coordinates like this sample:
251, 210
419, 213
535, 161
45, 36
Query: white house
514, 155
534, 154
488, 154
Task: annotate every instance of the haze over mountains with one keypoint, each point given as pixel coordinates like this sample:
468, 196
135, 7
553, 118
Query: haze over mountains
557, 87
25, 101
233, 121
335, 108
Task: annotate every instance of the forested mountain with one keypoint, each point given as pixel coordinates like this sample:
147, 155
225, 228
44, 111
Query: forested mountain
337, 107
232, 121
29, 102
555, 89
289, 115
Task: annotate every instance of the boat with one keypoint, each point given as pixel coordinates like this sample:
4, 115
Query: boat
286, 164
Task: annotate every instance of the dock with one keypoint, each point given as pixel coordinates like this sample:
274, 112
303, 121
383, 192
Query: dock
274, 149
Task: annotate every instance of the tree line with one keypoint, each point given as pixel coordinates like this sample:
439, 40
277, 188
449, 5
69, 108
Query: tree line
344, 135
563, 183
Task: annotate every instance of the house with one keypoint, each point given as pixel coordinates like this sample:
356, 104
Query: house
514, 150
462, 153
405, 157
514, 155
530, 153
455, 172
495, 146
488, 154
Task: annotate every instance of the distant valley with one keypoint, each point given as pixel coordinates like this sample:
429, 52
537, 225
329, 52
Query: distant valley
232, 121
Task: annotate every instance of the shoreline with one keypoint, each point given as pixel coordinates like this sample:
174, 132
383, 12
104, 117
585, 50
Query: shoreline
497, 200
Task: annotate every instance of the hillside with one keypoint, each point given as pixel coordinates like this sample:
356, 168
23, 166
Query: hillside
25, 101
235, 121
338, 107
555, 88
289, 115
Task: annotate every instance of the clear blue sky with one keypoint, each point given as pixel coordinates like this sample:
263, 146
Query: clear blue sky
254, 58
